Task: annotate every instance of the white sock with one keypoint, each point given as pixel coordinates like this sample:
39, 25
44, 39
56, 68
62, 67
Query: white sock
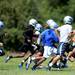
58, 63
67, 58
28, 60
33, 58
8, 57
50, 64
23, 61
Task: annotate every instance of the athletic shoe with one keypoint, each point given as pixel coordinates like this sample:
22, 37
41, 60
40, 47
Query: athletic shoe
28, 63
49, 67
27, 66
59, 66
7, 59
20, 65
64, 66
34, 68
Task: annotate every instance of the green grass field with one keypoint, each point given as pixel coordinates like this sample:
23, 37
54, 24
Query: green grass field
11, 68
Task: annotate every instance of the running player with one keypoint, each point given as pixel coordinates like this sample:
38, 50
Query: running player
65, 33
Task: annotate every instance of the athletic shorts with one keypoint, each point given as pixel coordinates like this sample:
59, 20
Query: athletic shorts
49, 51
63, 47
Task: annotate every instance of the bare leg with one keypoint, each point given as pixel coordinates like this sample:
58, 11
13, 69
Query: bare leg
71, 54
14, 55
38, 63
54, 61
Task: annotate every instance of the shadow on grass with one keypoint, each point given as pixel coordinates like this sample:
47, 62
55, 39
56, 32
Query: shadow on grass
56, 69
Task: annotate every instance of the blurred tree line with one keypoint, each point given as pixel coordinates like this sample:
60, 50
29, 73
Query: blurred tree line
16, 14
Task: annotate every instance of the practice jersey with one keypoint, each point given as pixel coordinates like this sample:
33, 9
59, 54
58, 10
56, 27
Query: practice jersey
49, 37
28, 33
64, 32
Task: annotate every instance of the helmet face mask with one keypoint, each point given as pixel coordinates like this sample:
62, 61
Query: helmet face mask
68, 20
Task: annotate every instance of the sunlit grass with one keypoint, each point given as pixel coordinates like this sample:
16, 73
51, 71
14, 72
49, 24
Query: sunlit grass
11, 68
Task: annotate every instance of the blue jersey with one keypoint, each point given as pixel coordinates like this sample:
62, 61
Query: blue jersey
49, 37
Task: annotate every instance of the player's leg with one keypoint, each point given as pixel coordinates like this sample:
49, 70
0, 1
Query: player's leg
61, 50
45, 56
71, 53
35, 58
27, 55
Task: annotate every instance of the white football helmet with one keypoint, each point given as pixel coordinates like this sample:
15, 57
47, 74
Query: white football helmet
52, 24
68, 20
38, 27
32, 22
1, 25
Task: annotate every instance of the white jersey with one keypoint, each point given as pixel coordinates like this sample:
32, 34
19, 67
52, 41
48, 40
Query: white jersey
64, 32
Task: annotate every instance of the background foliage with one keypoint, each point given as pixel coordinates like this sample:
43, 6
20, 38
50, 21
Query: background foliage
16, 14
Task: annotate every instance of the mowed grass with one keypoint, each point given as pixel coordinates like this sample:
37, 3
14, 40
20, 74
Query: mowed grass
11, 68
